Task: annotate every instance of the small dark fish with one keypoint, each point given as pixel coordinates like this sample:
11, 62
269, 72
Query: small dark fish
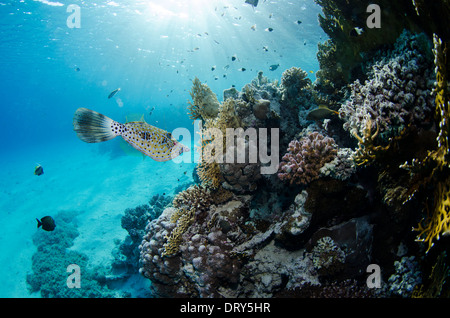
213, 68
253, 3
242, 69
47, 223
217, 42
114, 92
273, 67
77, 69
38, 170
234, 57
299, 22
321, 112
269, 29
266, 48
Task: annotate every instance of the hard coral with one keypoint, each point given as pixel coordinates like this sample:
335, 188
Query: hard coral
293, 80
205, 104
397, 93
328, 258
302, 163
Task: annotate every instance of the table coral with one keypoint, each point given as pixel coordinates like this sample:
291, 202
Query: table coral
302, 163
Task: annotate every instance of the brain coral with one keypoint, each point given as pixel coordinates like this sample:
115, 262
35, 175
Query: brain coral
302, 163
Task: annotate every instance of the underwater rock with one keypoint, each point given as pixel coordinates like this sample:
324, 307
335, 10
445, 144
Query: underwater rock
355, 238
230, 93
261, 109
293, 222
204, 259
273, 269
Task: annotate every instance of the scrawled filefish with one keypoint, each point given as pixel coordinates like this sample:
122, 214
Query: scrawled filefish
154, 142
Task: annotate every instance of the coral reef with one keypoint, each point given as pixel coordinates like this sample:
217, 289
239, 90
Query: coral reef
204, 102
350, 201
204, 257
436, 285
293, 81
327, 257
406, 277
49, 276
397, 93
302, 163
342, 167
341, 56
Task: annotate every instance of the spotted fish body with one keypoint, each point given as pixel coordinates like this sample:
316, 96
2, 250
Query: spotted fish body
154, 142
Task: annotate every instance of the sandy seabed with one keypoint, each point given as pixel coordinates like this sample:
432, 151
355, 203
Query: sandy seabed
82, 179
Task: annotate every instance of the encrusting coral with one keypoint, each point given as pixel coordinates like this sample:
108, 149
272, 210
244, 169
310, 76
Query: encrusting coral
302, 163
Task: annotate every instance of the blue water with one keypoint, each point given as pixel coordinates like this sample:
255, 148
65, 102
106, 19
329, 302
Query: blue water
152, 50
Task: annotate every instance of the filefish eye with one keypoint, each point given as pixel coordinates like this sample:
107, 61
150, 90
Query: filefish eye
169, 135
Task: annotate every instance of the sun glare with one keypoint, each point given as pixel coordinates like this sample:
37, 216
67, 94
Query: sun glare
166, 9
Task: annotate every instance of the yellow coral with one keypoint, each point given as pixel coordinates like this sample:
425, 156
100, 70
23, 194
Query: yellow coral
184, 219
438, 221
205, 104
367, 152
209, 174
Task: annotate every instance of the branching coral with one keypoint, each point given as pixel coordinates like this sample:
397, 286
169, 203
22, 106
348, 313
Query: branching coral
195, 197
190, 204
438, 219
397, 93
209, 174
183, 219
205, 104
302, 163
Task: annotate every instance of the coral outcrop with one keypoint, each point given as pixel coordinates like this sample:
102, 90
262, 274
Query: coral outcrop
397, 93
305, 157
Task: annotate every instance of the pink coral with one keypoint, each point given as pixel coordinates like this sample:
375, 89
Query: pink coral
302, 163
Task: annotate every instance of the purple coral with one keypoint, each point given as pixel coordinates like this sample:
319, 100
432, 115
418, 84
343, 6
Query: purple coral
302, 163
396, 93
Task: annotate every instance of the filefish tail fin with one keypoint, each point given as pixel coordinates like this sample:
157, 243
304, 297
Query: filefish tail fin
92, 127
39, 222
